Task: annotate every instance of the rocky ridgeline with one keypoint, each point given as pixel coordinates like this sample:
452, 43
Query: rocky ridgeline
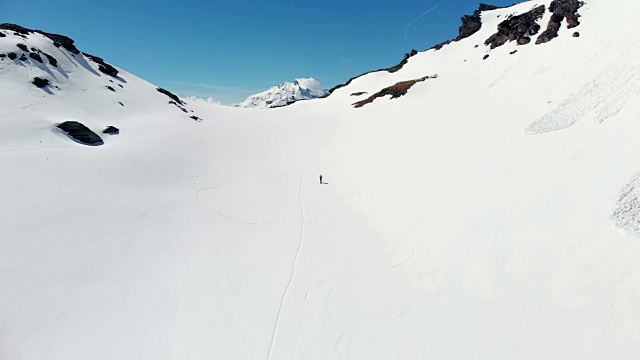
561, 10
521, 27
517, 28
58, 41
471, 24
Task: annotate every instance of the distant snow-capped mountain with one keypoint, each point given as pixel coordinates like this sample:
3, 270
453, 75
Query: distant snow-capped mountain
284, 94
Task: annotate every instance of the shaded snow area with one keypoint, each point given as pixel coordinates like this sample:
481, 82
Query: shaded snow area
284, 94
492, 212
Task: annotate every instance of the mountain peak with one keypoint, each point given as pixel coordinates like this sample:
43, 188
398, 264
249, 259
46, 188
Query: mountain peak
284, 94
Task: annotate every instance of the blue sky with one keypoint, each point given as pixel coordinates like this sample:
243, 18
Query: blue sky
230, 49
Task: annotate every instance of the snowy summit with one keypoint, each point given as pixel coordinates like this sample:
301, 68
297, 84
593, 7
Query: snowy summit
285, 94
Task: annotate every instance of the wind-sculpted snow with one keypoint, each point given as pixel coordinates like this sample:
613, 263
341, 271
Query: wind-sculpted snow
626, 214
600, 98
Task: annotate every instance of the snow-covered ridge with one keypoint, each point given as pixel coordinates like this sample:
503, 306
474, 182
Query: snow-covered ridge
284, 94
42, 63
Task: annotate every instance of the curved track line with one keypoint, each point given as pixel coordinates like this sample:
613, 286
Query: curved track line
294, 269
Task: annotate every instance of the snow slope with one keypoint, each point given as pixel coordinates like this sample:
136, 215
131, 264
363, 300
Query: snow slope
490, 213
284, 94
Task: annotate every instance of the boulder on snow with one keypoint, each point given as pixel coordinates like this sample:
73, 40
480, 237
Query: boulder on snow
102, 66
576, 34
171, 96
36, 57
111, 130
40, 82
23, 57
23, 47
80, 133
12, 55
51, 59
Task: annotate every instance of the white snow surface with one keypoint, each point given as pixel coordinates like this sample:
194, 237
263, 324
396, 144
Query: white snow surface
284, 94
477, 217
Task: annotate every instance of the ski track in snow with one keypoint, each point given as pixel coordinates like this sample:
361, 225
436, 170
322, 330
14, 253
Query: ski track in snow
606, 94
294, 269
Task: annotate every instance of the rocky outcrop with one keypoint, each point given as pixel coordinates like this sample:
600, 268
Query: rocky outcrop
58, 40
360, 93
80, 133
561, 10
171, 96
39, 82
51, 59
471, 24
16, 28
397, 90
23, 57
36, 57
23, 47
12, 55
102, 66
111, 130
517, 28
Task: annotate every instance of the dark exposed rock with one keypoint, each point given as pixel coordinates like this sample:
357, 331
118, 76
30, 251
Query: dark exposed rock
61, 40
40, 82
58, 40
561, 9
51, 59
513, 52
576, 34
111, 130
80, 133
171, 95
195, 118
120, 103
396, 91
359, 93
487, 7
103, 66
121, 86
12, 55
23, 57
15, 28
2, 34
3, 55
36, 57
517, 28
110, 88
23, 47
471, 24
485, 57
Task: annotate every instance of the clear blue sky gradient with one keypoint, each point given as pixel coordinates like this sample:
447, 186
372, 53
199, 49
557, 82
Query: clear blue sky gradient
230, 49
